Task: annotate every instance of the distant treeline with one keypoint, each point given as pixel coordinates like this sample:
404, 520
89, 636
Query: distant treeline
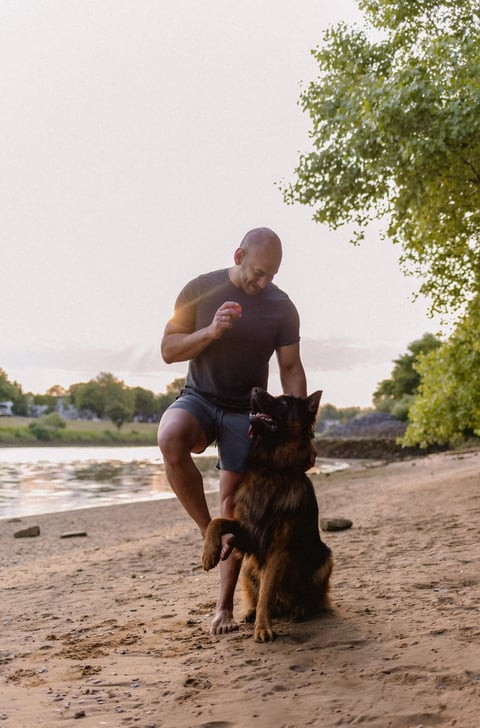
104, 397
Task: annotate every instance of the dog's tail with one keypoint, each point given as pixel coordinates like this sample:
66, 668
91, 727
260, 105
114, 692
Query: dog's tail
212, 547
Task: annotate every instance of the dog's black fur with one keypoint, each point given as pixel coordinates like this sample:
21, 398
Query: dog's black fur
286, 566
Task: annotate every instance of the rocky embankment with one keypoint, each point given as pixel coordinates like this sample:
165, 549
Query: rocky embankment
374, 435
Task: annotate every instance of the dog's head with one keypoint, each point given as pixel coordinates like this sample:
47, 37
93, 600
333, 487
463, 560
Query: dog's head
282, 427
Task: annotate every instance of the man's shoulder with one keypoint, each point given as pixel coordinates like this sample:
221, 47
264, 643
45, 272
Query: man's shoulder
276, 294
199, 286
213, 277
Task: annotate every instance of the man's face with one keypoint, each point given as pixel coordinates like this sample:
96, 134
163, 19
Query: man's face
257, 268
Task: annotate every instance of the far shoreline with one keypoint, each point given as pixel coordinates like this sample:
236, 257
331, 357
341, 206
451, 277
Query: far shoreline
62, 443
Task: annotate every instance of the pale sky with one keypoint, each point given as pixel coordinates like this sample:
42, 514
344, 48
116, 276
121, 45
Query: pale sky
139, 141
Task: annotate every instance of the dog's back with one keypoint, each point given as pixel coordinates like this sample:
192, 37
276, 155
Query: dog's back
286, 566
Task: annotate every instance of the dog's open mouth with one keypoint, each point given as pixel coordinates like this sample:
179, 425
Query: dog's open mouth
259, 401
264, 419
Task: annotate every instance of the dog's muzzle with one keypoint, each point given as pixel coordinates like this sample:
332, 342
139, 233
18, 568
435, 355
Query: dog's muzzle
263, 419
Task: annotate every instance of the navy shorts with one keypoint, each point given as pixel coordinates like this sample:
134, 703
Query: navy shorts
227, 429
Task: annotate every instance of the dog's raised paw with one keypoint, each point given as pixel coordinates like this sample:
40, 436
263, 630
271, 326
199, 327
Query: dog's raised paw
210, 555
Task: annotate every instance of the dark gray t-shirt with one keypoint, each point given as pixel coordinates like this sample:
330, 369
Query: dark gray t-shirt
229, 367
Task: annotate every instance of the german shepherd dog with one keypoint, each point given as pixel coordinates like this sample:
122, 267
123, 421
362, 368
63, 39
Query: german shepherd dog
286, 566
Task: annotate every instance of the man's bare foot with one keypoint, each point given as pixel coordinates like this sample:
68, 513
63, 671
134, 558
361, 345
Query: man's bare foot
228, 542
223, 622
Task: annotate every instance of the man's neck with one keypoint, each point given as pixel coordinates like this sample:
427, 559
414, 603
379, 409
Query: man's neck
233, 275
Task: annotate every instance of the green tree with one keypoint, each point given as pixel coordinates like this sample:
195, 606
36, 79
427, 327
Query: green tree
105, 396
89, 396
447, 407
56, 390
119, 411
12, 392
395, 115
396, 394
8, 390
144, 404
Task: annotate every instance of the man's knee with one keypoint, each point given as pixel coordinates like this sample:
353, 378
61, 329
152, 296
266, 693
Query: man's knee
178, 436
173, 445
165, 443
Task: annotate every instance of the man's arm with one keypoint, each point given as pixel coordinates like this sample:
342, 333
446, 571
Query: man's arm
292, 374
292, 377
180, 344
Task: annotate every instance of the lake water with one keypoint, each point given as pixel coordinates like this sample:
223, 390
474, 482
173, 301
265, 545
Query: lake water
79, 454
35, 480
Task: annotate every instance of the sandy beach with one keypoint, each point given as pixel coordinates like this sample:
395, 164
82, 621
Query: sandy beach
110, 628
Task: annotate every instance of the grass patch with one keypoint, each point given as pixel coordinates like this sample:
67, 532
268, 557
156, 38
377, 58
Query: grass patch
16, 431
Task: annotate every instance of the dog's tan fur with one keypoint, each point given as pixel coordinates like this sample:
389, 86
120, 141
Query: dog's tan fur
286, 566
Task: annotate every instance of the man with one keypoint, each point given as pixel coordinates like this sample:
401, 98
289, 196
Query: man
227, 324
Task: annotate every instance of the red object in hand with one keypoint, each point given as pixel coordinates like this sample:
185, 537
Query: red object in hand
237, 310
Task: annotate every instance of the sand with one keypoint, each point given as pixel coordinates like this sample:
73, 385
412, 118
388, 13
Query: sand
111, 628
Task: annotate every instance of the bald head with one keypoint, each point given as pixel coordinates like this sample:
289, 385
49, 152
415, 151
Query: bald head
262, 237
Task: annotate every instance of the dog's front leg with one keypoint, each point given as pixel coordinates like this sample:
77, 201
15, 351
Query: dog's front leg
271, 575
250, 582
212, 546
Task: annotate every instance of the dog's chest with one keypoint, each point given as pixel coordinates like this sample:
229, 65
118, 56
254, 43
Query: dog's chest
262, 497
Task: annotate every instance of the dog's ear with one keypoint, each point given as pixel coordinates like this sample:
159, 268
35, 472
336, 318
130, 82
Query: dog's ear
313, 401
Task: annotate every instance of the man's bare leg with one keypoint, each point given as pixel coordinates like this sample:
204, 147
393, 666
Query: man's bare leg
224, 622
180, 434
